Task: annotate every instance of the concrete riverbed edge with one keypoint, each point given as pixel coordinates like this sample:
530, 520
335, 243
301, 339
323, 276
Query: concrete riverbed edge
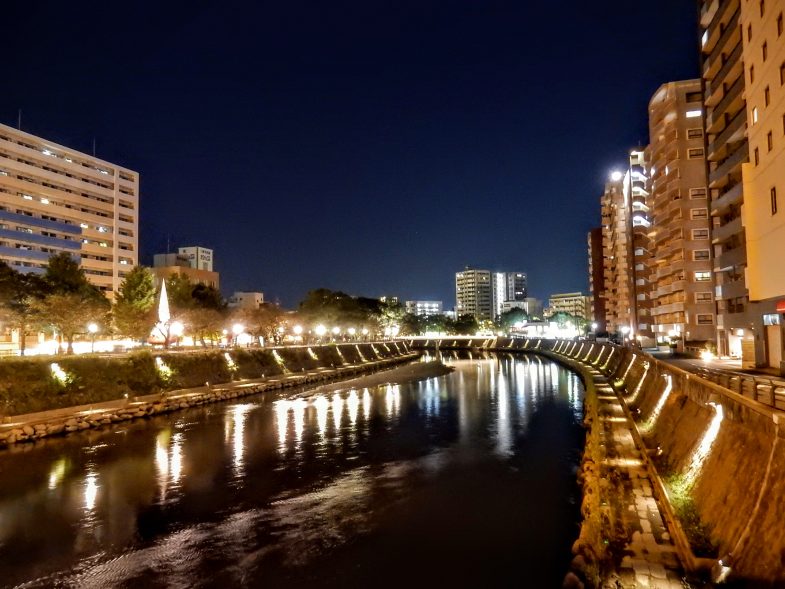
29, 428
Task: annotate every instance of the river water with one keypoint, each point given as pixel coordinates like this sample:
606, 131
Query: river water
465, 480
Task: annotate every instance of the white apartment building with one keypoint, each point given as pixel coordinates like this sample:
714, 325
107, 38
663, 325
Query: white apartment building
55, 199
576, 304
246, 300
424, 308
474, 294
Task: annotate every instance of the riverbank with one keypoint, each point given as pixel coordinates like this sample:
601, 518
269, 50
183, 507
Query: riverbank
399, 375
34, 426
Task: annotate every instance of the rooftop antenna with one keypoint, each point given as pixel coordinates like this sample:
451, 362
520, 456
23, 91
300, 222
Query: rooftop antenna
93, 146
19, 120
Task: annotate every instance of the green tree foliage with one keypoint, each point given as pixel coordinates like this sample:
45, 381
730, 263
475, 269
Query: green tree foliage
335, 308
135, 304
18, 293
508, 319
466, 325
71, 301
200, 307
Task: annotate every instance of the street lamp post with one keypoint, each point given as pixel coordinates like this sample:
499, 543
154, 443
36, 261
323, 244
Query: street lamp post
624, 331
93, 329
237, 329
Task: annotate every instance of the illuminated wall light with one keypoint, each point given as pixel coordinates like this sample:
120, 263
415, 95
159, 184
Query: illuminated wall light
691, 114
44, 201
230, 363
655, 414
704, 448
60, 375
639, 387
163, 369
312, 354
27, 197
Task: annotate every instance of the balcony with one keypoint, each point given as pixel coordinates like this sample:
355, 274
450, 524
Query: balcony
731, 258
668, 309
730, 290
731, 196
732, 64
715, 55
724, 232
719, 176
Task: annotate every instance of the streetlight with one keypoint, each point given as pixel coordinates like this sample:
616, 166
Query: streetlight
320, 331
237, 329
365, 333
352, 331
93, 329
298, 331
624, 331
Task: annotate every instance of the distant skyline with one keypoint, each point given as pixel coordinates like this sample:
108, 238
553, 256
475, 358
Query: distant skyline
371, 147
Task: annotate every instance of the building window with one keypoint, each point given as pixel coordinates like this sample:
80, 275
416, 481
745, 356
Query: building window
762, 5
749, 33
698, 234
754, 114
691, 114
705, 319
700, 255
752, 74
756, 156
782, 73
702, 276
779, 24
766, 96
773, 194
696, 133
703, 297
697, 193
764, 51
696, 214
769, 141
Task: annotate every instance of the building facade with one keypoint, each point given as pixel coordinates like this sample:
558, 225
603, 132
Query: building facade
508, 286
166, 265
763, 177
725, 129
474, 294
616, 255
596, 278
576, 304
424, 308
682, 299
246, 300
55, 199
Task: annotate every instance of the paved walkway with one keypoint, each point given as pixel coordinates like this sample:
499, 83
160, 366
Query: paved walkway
651, 559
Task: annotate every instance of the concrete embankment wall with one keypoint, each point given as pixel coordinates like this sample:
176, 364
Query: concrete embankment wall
186, 379
726, 450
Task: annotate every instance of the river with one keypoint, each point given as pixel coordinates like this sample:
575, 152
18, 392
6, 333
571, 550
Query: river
466, 479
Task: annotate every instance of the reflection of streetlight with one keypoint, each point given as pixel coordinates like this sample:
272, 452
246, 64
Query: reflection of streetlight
93, 329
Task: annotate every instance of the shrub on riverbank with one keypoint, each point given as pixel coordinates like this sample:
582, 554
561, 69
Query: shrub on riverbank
35, 384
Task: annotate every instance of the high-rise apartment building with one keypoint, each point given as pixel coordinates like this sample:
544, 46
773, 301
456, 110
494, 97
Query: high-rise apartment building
55, 199
681, 267
576, 304
763, 214
474, 294
724, 80
597, 278
636, 192
617, 259
424, 308
508, 286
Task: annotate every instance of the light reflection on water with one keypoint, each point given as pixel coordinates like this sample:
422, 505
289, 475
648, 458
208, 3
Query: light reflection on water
252, 489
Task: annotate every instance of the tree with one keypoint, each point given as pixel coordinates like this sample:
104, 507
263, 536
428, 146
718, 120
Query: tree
198, 306
18, 293
466, 325
508, 319
134, 309
69, 313
71, 301
262, 322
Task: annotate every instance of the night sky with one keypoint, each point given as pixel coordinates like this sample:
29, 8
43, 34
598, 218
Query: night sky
372, 147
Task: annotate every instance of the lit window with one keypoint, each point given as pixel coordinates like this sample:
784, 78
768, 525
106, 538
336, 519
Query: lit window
754, 115
45, 201
83, 225
702, 276
691, 114
27, 197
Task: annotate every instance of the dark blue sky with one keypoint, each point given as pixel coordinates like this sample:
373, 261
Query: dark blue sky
373, 147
